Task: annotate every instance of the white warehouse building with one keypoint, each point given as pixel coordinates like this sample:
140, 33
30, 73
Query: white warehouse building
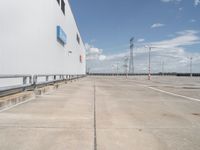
39, 37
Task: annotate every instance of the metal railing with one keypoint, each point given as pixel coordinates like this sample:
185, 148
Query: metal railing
54, 78
146, 74
26, 78
30, 82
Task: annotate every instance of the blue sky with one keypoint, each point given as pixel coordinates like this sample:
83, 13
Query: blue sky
107, 25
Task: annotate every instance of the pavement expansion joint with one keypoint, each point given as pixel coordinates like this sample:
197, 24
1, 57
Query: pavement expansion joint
95, 128
43, 127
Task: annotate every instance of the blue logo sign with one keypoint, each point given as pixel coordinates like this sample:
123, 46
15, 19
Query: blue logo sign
61, 36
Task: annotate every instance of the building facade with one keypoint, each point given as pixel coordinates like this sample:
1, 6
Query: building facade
39, 37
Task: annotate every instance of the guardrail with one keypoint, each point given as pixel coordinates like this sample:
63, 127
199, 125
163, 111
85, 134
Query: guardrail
30, 82
25, 78
145, 74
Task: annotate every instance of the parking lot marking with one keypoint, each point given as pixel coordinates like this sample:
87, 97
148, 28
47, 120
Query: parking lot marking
186, 97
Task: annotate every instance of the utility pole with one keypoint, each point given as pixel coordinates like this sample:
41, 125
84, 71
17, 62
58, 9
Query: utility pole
113, 70
163, 68
126, 66
117, 69
131, 61
149, 76
191, 66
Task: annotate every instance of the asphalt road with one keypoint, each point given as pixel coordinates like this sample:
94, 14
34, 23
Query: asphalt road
108, 113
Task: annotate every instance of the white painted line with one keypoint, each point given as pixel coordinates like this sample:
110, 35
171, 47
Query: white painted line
143, 85
10, 107
186, 97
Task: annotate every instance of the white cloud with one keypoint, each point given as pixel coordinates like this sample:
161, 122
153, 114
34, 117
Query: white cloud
93, 53
184, 38
102, 57
196, 2
192, 20
141, 40
171, 51
157, 25
117, 56
92, 41
180, 9
167, 1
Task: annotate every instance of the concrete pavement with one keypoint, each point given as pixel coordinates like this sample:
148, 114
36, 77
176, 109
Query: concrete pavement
124, 114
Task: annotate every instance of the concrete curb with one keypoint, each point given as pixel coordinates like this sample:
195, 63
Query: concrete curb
12, 100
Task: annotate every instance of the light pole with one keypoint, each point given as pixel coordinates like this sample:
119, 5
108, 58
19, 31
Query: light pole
150, 48
117, 69
131, 60
149, 75
126, 66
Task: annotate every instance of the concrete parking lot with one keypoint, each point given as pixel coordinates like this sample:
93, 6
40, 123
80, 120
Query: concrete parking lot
108, 113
